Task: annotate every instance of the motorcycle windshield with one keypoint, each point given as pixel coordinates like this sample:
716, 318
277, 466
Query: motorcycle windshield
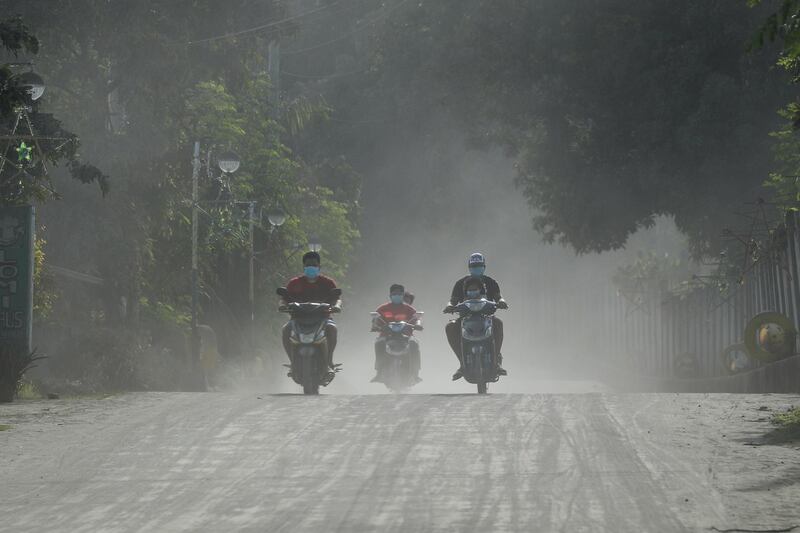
476, 328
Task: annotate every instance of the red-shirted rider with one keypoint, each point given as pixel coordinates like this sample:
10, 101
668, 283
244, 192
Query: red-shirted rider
313, 287
396, 310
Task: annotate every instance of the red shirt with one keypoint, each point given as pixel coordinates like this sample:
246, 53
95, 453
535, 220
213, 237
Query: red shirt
396, 312
303, 290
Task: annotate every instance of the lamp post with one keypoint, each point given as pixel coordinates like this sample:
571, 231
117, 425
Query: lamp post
33, 83
228, 163
276, 218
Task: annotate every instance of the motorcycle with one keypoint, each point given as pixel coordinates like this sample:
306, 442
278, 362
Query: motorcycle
478, 352
309, 345
399, 350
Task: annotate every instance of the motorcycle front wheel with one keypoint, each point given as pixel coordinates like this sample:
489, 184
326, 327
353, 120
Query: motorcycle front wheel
310, 384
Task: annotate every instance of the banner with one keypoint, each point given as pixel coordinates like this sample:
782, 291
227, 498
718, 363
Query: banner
16, 275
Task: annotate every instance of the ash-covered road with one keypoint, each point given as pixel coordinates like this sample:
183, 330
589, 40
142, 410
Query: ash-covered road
248, 462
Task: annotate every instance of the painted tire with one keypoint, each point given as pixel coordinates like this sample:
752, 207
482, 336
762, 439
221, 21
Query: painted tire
757, 333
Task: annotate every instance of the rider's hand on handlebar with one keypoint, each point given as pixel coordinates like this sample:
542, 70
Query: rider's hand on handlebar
449, 309
336, 309
502, 304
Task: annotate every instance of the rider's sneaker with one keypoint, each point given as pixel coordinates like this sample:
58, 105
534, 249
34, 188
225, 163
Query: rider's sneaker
459, 374
501, 371
417, 379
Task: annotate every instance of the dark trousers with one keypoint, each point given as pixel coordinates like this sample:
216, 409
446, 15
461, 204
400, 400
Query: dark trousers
453, 331
331, 334
381, 357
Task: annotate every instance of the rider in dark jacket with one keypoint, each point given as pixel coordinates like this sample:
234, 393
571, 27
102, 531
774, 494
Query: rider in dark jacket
490, 289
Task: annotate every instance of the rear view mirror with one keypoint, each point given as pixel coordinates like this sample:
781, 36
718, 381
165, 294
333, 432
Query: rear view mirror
281, 291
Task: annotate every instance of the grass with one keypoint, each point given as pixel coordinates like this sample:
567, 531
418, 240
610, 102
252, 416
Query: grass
5, 427
787, 426
28, 391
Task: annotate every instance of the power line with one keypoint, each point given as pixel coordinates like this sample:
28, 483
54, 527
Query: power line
358, 122
380, 17
323, 77
261, 27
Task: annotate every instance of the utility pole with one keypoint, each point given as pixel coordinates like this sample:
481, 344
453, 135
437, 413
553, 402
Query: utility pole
252, 225
252, 270
195, 341
274, 71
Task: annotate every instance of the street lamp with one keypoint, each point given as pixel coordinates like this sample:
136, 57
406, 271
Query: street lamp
228, 162
276, 217
314, 244
33, 83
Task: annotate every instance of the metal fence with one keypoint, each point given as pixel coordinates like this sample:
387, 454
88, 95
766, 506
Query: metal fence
655, 329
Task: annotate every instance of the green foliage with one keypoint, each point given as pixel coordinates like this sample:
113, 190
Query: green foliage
656, 275
616, 112
139, 89
15, 37
29, 180
790, 418
784, 25
787, 426
14, 363
29, 391
44, 291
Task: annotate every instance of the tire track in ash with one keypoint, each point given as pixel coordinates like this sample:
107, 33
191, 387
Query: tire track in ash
617, 489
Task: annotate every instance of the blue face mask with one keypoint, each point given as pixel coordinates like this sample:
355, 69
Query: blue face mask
473, 294
396, 298
477, 271
311, 272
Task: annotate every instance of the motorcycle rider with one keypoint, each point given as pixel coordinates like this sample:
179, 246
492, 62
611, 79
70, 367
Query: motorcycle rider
312, 286
488, 288
396, 309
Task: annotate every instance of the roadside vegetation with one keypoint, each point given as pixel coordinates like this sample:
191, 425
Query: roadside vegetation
787, 426
615, 113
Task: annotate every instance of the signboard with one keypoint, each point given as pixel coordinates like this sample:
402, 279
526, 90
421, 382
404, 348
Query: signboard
16, 275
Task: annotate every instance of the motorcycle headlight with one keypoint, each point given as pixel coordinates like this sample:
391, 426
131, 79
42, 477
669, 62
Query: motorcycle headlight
307, 338
476, 306
305, 350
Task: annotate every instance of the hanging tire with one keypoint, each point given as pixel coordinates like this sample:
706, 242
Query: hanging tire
733, 361
769, 337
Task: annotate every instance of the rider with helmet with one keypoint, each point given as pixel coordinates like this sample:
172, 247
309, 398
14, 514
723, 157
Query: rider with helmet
476, 285
312, 286
396, 309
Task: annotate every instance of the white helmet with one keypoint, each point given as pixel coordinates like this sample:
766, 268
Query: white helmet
476, 259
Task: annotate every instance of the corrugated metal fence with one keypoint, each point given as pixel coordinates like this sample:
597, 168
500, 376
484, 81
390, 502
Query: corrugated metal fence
655, 328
